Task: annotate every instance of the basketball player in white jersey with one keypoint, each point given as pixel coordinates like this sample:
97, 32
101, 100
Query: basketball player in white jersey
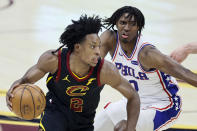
147, 69
181, 53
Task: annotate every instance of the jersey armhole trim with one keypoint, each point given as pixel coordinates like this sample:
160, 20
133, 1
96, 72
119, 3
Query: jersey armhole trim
98, 73
116, 49
59, 65
140, 65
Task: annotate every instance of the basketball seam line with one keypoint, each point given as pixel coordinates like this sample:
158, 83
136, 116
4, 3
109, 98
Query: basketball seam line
32, 100
21, 100
42, 94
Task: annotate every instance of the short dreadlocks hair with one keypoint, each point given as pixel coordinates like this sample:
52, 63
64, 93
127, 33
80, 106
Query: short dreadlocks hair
76, 32
132, 11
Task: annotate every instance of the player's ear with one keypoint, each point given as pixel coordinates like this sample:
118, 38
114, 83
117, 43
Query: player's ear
77, 47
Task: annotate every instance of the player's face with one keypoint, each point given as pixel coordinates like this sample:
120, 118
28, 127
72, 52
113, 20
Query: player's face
90, 49
127, 28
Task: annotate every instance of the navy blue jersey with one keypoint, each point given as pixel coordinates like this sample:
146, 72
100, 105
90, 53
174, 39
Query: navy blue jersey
80, 95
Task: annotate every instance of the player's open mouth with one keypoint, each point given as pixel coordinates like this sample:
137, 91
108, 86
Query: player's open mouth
125, 36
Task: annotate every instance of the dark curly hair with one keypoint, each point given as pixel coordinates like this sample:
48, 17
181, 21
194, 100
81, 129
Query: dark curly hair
132, 11
76, 32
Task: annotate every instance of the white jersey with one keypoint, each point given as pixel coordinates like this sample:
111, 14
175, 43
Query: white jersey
156, 89
160, 105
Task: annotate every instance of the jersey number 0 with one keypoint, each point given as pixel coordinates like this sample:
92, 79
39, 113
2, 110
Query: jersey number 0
134, 83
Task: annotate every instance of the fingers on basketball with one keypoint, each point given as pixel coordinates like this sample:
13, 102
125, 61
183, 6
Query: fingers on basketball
28, 101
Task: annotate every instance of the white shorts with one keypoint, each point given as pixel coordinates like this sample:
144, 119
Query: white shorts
150, 119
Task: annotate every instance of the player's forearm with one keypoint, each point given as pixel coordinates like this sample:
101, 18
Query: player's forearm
190, 78
191, 48
133, 110
183, 74
20, 81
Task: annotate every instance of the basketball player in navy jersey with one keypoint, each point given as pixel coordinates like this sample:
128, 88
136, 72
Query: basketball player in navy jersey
76, 77
146, 68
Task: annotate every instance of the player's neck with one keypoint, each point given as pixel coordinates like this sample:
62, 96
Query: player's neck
77, 66
128, 47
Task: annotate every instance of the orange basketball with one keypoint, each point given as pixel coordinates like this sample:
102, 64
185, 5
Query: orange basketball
28, 101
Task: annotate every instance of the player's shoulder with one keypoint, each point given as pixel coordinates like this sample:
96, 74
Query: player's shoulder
108, 72
147, 49
48, 61
49, 55
108, 35
108, 67
148, 53
145, 44
108, 38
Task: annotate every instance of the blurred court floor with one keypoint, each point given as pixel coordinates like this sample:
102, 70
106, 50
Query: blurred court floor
30, 27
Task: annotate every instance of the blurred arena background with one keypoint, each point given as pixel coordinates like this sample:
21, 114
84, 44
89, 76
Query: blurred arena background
30, 27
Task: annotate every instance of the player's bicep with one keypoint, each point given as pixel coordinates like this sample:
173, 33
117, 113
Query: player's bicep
150, 57
153, 58
46, 63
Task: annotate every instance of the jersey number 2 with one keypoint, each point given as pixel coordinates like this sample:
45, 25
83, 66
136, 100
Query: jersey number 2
76, 104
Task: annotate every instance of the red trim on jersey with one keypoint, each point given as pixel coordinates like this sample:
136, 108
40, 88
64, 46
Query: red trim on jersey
68, 67
116, 51
107, 105
99, 71
59, 65
117, 44
171, 103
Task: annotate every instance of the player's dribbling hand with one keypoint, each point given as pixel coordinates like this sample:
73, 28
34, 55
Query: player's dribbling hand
9, 95
122, 126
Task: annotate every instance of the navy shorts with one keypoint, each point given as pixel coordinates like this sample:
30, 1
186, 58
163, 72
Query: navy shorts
58, 118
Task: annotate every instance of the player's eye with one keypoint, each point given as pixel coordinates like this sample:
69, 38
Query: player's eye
122, 22
93, 46
133, 24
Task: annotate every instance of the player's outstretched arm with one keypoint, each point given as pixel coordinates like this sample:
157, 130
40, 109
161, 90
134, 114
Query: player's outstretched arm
150, 57
181, 53
110, 75
46, 63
